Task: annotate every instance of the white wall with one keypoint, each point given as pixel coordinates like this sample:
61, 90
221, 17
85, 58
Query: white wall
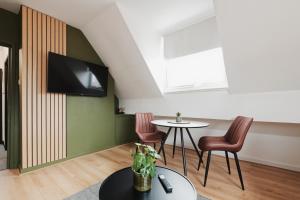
274, 139
3, 56
261, 44
274, 144
264, 107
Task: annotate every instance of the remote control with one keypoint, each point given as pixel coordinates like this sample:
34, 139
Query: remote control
168, 188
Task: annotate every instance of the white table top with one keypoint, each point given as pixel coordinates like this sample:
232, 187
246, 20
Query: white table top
172, 123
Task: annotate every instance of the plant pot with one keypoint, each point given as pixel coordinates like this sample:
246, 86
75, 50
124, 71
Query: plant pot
178, 119
141, 183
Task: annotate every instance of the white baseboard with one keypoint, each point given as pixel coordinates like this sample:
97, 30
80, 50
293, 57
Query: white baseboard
270, 163
256, 160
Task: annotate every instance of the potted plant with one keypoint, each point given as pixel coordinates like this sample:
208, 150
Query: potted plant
178, 117
143, 166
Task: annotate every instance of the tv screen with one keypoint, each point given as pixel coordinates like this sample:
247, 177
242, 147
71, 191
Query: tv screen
75, 77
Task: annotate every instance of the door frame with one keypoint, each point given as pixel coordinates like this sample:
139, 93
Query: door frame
1, 108
13, 141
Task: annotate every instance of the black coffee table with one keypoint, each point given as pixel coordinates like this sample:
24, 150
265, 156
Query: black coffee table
119, 186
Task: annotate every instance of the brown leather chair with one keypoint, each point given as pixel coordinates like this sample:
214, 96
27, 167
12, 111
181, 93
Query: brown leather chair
148, 132
232, 142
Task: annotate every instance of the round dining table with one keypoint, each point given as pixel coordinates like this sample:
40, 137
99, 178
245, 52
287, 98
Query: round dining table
180, 125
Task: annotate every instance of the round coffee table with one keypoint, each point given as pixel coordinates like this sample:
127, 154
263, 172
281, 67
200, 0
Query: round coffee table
119, 185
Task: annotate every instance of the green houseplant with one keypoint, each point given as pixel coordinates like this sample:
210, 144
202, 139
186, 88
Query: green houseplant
143, 166
178, 117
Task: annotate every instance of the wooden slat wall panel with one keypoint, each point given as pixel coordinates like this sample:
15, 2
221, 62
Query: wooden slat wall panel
23, 98
56, 103
64, 116
43, 114
39, 90
52, 49
33, 89
44, 89
48, 96
60, 99
29, 88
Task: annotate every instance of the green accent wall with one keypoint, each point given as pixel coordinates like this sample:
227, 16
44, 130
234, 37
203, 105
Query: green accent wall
79, 47
9, 23
90, 123
9, 36
90, 120
125, 132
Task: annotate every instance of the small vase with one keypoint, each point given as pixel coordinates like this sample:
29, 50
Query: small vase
141, 183
178, 119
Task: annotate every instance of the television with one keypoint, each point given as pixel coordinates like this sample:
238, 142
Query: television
75, 77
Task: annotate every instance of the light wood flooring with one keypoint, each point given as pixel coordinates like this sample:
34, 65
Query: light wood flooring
66, 178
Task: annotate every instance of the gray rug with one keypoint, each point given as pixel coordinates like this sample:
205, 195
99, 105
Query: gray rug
92, 193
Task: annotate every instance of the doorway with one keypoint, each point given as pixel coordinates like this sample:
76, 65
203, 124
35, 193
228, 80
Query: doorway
4, 62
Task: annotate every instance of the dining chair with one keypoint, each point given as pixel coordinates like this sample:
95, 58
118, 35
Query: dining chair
231, 142
148, 132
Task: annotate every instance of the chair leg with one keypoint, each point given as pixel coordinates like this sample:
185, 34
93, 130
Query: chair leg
239, 169
164, 155
164, 140
227, 160
154, 145
200, 160
174, 142
207, 167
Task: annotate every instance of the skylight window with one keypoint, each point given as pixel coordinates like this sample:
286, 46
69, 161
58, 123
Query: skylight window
203, 70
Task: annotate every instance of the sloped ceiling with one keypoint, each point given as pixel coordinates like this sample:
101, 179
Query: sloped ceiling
113, 41
261, 44
260, 39
74, 12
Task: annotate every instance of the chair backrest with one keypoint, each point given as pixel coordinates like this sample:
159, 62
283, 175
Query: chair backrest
238, 130
143, 123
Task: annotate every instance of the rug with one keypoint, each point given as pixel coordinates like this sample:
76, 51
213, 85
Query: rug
92, 193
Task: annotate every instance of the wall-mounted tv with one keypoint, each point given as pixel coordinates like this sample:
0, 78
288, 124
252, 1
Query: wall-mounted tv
76, 77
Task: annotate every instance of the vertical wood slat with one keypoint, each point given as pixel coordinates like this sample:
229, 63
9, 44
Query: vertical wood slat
60, 97
43, 114
56, 103
39, 89
29, 89
52, 97
44, 89
64, 127
48, 95
23, 98
33, 88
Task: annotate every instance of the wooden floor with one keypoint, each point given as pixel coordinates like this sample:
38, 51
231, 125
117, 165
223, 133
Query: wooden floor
66, 178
